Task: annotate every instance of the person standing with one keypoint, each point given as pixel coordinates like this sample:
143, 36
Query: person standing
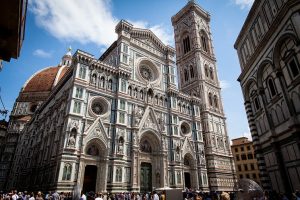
155, 196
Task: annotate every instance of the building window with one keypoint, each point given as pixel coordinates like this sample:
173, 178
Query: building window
79, 92
206, 70
211, 73
102, 80
254, 176
244, 157
247, 176
241, 176
252, 166
122, 104
77, 107
271, 87
204, 42
242, 148
236, 150
122, 118
237, 157
82, 72
109, 84
239, 168
192, 71
246, 167
125, 48
125, 58
216, 101
123, 86
294, 67
210, 99
186, 75
250, 156
248, 148
119, 174
186, 45
256, 103
67, 171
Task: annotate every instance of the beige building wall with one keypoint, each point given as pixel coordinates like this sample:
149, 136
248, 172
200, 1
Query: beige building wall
244, 158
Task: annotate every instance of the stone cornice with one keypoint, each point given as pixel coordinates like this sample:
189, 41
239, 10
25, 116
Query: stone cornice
191, 6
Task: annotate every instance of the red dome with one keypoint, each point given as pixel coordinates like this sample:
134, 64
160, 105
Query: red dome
45, 79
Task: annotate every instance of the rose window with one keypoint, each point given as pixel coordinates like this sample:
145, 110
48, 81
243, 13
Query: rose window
99, 106
185, 128
146, 73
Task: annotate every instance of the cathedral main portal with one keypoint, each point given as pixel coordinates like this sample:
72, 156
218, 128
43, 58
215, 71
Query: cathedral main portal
90, 175
146, 177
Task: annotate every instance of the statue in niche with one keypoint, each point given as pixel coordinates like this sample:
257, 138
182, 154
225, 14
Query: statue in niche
72, 141
138, 114
120, 145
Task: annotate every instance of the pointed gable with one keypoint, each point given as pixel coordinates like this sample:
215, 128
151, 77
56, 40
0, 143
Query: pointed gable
96, 131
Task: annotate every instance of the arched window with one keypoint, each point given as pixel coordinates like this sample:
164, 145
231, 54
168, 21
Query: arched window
156, 99
94, 79
141, 94
216, 104
256, 103
211, 73
206, 70
271, 87
186, 44
129, 90
204, 42
109, 84
186, 75
102, 82
135, 93
192, 71
67, 171
289, 57
82, 72
210, 99
123, 86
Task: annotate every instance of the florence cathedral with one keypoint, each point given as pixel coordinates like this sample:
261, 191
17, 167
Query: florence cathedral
142, 116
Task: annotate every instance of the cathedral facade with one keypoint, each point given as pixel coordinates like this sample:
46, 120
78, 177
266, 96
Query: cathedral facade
121, 122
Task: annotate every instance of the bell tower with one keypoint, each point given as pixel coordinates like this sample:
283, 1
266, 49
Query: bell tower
197, 76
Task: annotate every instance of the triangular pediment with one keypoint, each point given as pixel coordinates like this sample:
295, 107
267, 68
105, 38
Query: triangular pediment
149, 121
187, 147
147, 37
96, 131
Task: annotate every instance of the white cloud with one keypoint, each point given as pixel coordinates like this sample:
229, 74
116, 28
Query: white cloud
244, 3
84, 21
41, 53
224, 84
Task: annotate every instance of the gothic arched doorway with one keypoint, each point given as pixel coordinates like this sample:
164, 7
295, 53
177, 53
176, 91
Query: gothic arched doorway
94, 166
190, 176
150, 162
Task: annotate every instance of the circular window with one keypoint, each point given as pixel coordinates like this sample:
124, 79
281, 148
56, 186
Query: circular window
148, 71
185, 128
99, 106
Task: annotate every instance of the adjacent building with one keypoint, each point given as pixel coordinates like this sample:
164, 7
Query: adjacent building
12, 28
120, 123
244, 158
269, 53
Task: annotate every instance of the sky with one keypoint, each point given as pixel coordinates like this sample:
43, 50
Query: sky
54, 25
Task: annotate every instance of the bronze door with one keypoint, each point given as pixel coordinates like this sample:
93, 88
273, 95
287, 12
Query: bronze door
90, 175
146, 177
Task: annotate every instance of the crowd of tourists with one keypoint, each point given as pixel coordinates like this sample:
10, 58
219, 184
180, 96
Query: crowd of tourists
187, 195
